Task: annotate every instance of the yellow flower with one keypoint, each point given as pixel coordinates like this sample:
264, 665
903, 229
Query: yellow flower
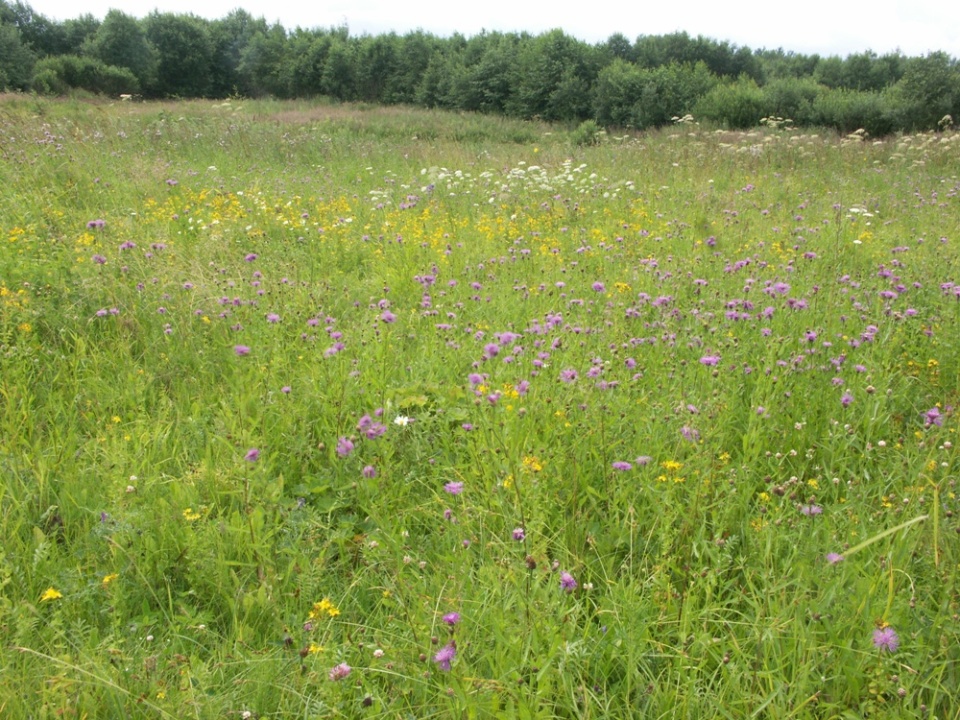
51, 593
671, 465
314, 649
324, 607
532, 463
107, 579
189, 515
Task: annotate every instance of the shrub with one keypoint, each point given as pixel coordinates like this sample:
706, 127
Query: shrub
734, 105
57, 75
587, 133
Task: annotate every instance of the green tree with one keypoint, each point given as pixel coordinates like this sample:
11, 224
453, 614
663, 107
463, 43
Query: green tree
377, 64
339, 72
184, 53
229, 39
554, 79
16, 60
262, 62
121, 41
928, 90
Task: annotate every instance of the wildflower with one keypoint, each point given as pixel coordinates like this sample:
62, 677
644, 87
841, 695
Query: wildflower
402, 420
567, 582
107, 579
446, 655
568, 376
454, 488
886, 639
519, 533
99, 259
451, 618
834, 558
324, 607
51, 593
710, 360
285, 389
250, 257
253, 454
344, 447
932, 417
644, 460
96, 224
622, 466
598, 287
339, 672
811, 510
273, 318
846, 399
690, 433
241, 350
369, 472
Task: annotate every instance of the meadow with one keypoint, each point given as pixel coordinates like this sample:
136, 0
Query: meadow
313, 411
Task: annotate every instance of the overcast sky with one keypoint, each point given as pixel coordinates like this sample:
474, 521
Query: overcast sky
827, 27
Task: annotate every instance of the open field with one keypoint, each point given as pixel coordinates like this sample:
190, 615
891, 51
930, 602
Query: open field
325, 411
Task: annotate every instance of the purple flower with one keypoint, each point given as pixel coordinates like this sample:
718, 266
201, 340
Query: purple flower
846, 399
446, 655
250, 258
451, 618
932, 417
599, 287
96, 224
99, 259
886, 639
644, 460
388, 317
568, 376
710, 360
475, 379
344, 447
339, 672
567, 582
241, 350
369, 472
491, 350
519, 533
285, 389
621, 465
253, 454
454, 488
690, 433
834, 558
811, 510
273, 318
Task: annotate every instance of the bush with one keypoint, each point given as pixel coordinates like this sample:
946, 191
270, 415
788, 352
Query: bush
57, 75
735, 105
849, 110
588, 132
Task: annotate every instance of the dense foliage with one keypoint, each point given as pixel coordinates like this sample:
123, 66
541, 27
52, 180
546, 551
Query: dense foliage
640, 84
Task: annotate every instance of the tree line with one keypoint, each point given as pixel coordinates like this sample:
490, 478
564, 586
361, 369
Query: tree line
621, 83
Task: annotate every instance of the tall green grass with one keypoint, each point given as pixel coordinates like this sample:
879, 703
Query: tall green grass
485, 371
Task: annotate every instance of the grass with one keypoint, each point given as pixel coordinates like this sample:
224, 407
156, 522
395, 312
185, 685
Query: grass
611, 405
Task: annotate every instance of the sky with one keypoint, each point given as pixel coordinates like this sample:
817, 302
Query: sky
826, 27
